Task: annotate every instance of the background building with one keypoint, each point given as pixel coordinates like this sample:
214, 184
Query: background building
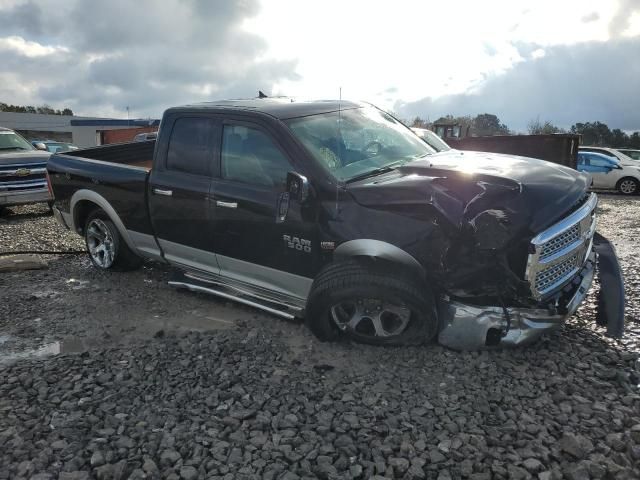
82, 131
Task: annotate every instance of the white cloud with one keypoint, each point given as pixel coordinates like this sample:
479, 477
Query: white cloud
391, 52
28, 48
420, 48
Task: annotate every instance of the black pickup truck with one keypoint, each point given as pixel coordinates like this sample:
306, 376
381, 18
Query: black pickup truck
337, 213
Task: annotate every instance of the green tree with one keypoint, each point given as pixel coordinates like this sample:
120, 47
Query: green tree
593, 133
67, 111
488, 124
420, 123
46, 109
536, 127
619, 138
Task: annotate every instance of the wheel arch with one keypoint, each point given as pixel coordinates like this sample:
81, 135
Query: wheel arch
379, 250
83, 202
628, 177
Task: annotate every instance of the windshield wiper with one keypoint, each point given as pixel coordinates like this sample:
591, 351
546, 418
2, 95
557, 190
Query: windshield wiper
13, 148
375, 172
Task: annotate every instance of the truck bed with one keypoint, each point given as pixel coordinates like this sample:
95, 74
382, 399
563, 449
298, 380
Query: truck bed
116, 173
135, 154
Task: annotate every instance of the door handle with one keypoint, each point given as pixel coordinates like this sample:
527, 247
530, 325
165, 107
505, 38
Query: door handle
226, 204
166, 193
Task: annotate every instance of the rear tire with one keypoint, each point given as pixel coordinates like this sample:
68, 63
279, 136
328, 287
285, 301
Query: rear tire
107, 249
370, 305
628, 186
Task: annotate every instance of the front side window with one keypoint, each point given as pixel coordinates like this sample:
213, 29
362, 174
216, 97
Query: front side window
354, 142
250, 156
191, 146
600, 162
12, 141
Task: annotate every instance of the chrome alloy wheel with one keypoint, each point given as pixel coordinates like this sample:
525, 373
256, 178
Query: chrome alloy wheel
628, 187
100, 243
368, 317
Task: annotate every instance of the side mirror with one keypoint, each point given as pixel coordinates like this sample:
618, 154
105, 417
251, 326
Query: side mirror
298, 186
40, 146
618, 167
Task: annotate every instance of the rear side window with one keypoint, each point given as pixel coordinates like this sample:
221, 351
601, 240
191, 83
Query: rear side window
250, 156
191, 146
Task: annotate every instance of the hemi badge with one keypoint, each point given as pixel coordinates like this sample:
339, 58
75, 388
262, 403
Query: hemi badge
23, 172
328, 245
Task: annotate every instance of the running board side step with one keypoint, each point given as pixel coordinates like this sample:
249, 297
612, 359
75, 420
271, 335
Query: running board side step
228, 292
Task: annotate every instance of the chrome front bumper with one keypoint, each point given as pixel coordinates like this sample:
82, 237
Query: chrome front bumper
466, 327
8, 199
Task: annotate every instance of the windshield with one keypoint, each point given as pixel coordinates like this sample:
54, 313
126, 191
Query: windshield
12, 141
353, 142
432, 139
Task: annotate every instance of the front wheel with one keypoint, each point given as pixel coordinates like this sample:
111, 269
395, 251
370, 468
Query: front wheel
107, 249
370, 305
629, 186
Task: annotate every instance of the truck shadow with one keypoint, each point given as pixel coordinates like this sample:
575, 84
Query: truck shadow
19, 214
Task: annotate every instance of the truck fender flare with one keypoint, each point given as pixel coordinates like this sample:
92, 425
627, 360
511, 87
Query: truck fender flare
101, 202
366, 247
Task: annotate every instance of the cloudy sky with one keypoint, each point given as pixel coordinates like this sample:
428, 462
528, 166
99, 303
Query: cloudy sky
563, 61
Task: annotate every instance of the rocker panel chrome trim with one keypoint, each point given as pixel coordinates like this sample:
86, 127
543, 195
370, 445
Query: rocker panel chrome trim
145, 244
218, 293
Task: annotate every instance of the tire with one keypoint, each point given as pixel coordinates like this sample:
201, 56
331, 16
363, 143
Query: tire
370, 306
107, 249
628, 186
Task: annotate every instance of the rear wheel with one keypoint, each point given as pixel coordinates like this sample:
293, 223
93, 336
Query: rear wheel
629, 186
107, 249
369, 305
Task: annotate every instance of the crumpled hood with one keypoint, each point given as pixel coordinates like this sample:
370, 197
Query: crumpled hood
495, 195
23, 157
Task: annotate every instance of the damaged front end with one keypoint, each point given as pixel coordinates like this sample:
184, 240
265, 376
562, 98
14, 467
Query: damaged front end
559, 272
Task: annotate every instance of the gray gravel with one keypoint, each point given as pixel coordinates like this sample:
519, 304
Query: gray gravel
169, 384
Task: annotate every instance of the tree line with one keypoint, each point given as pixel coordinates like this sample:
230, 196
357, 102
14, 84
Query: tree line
43, 109
593, 133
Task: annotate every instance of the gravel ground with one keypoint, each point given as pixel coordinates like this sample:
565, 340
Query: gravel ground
150, 382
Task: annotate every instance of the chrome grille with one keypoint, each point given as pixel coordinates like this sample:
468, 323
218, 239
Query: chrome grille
551, 275
560, 242
560, 251
18, 177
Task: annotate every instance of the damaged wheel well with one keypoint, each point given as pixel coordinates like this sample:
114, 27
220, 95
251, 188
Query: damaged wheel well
81, 212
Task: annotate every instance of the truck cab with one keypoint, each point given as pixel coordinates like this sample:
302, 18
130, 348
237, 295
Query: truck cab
337, 213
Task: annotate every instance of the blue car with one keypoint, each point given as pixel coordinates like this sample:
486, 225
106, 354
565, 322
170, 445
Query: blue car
607, 172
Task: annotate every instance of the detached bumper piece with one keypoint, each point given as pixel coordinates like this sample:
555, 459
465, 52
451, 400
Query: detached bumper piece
611, 301
472, 327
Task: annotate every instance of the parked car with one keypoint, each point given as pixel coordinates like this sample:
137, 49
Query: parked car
433, 140
53, 146
611, 153
145, 137
607, 172
338, 213
629, 152
23, 175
